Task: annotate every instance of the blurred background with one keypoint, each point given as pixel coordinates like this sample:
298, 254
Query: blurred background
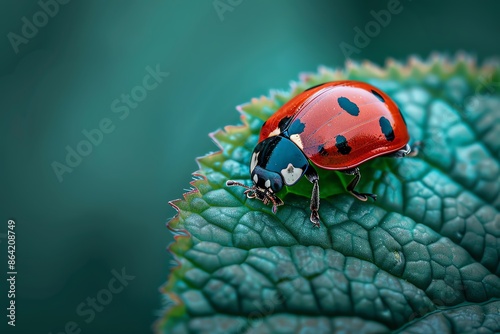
106, 104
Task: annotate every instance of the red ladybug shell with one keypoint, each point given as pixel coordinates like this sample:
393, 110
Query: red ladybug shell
339, 125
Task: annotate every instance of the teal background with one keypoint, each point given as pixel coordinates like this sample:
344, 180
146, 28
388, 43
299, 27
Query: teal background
110, 212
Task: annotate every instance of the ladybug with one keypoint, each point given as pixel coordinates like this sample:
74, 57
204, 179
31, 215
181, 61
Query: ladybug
337, 126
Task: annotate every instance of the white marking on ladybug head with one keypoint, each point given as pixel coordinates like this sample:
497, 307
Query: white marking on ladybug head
275, 132
297, 140
267, 184
253, 163
255, 178
291, 174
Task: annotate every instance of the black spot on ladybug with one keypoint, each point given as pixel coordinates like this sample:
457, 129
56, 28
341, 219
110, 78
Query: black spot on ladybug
322, 151
386, 127
283, 123
321, 84
378, 95
297, 127
342, 145
404, 120
348, 106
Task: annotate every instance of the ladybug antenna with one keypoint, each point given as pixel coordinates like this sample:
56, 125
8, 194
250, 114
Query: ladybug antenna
250, 192
231, 183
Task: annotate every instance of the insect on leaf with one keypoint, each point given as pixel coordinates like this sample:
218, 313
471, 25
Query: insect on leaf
424, 257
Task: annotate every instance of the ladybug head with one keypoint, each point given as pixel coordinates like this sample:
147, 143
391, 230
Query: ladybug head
276, 161
265, 185
265, 180
263, 188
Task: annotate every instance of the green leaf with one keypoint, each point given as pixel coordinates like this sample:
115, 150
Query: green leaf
423, 258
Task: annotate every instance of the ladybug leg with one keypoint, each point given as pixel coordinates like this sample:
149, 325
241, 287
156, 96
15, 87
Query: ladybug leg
313, 177
401, 153
415, 149
350, 187
407, 151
